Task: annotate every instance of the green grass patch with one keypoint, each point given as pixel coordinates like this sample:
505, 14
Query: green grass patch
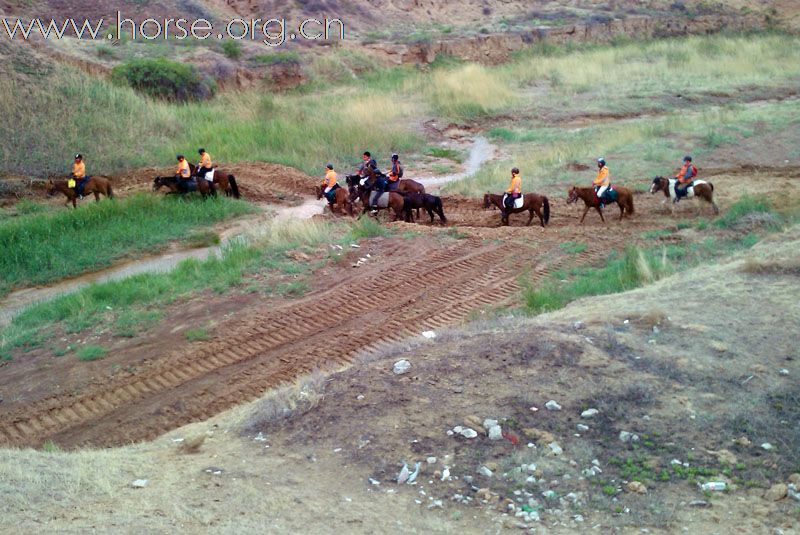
44, 247
746, 205
201, 238
443, 152
196, 335
622, 272
90, 352
573, 247
367, 227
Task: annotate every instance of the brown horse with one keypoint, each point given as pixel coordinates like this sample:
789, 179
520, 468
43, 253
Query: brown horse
395, 201
224, 181
95, 185
406, 186
341, 199
589, 197
531, 202
178, 187
701, 189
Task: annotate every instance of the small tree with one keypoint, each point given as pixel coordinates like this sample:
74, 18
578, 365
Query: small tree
232, 49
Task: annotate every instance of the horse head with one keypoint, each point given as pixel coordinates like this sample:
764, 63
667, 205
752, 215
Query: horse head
50, 187
318, 192
572, 195
659, 184
487, 200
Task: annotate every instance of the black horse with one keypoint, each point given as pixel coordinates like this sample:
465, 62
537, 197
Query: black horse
182, 187
431, 204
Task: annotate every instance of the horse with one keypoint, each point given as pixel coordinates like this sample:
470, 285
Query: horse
700, 188
531, 202
624, 200
179, 187
431, 203
341, 199
95, 185
406, 185
224, 181
394, 200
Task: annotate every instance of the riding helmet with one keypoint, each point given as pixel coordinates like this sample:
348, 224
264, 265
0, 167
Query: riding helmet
515, 170
201, 150
179, 156
395, 157
79, 156
601, 160
687, 158
329, 166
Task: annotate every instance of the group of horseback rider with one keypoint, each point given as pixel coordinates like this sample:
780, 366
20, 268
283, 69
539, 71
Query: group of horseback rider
204, 170
602, 182
369, 165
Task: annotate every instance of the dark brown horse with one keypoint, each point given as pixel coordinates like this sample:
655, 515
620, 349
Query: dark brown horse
341, 200
431, 203
222, 180
179, 187
701, 189
406, 186
95, 185
589, 197
531, 202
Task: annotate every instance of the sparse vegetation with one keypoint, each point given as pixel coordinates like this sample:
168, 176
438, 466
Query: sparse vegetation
90, 352
163, 78
197, 334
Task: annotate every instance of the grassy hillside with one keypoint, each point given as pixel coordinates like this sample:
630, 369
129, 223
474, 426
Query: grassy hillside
52, 112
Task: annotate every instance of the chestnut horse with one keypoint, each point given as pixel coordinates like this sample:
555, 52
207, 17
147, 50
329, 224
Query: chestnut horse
701, 189
224, 181
531, 202
589, 197
95, 185
178, 187
341, 199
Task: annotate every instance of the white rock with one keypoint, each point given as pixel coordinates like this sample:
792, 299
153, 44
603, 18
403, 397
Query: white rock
488, 423
655, 330
260, 437
431, 460
360, 397
468, 433
139, 483
582, 427
435, 504
783, 371
495, 433
555, 448
626, 436
531, 467
590, 413
374, 482
445, 474
401, 366
552, 405
713, 485
430, 335
485, 471
767, 446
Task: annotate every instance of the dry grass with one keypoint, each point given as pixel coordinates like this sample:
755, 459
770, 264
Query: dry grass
284, 403
773, 266
469, 92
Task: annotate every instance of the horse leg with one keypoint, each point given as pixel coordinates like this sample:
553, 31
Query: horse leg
599, 211
541, 218
585, 211
96, 196
621, 210
530, 219
430, 213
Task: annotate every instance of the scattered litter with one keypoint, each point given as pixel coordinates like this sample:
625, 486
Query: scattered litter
626, 436
783, 371
402, 477
552, 405
413, 476
484, 471
534, 409
213, 470
582, 427
337, 450
260, 437
445, 474
177, 440
431, 460
714, 485
699, 503
139, 483
360, 397
555, 448
355, 246
767, 446
401, 366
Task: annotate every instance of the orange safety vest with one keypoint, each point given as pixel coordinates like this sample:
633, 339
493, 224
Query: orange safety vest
602, 178
183, 169
516, 185
681, 176
330, 179
78, 169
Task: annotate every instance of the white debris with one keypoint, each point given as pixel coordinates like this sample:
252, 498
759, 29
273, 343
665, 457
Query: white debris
430, 335
495, 432
582, 427
713, 485
431, 460
355, 246
139, 483
374, 482
783, 371
626, 436
767, 446
552, 405
485, 471
590, 413
260, 437
555, 448
401, 367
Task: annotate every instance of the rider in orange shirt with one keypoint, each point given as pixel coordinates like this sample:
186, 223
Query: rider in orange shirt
514, 189
685, 177
602, 181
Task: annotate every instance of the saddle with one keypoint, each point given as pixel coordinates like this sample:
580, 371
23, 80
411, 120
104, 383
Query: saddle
518, 202
331, 195
210, 175
611, 194
383, 201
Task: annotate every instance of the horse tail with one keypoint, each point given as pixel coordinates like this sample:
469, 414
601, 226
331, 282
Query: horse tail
234, 187
711, 186
546, 210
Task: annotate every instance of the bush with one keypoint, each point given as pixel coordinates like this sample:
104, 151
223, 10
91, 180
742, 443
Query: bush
232, 49
163, 78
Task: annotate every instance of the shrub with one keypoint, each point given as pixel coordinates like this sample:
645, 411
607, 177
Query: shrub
232, 49
163, 78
